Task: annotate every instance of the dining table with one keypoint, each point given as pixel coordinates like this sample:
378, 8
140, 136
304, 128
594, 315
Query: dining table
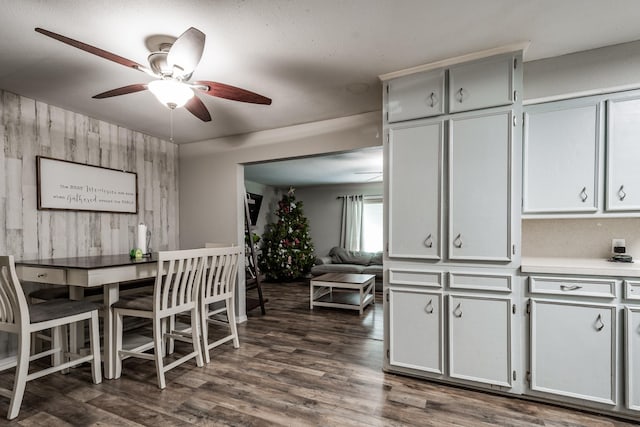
81, 273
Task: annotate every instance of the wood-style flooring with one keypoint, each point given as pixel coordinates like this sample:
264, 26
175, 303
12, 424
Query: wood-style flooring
294, 367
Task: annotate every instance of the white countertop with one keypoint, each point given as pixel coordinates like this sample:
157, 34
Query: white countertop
580, 266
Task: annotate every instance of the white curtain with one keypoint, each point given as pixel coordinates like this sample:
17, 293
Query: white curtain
351, 228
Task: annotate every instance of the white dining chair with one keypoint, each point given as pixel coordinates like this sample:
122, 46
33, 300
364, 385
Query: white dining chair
176, 291
217, 297
17, 317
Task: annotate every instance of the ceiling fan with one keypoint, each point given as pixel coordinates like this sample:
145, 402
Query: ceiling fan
172, 65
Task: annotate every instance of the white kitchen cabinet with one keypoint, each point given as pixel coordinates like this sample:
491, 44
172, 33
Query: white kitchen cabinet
480, 149
415, 190
561, 152
623, 154
482, 84
480, 347
573, 350
416, 329
415, 96
632, 356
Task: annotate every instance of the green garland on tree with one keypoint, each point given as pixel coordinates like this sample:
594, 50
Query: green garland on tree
287, 251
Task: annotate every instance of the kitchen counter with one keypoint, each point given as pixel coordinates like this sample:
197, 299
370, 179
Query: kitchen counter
580, 266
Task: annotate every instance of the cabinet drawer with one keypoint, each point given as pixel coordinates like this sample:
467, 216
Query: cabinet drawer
415, 96
632, 289
485, 282
415, 277
605, 288
54, 276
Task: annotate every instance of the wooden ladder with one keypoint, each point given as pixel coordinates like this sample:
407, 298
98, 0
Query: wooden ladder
253, 279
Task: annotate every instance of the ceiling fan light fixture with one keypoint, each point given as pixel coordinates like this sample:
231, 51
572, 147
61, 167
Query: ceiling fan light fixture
171, 93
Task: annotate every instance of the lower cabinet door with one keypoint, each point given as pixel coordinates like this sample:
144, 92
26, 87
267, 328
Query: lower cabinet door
415, 329
480, 339
632, 356
573, 350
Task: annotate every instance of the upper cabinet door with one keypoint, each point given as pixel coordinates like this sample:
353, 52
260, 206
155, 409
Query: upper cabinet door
561, 149
623, 155
480, 187
415, 170
481, 84
415, 96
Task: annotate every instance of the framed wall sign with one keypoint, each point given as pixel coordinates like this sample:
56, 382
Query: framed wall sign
66, 185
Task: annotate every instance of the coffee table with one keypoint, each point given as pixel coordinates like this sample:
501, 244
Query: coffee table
354, 291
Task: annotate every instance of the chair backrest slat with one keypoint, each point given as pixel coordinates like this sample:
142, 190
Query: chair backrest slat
13, 303
222, 272
178, 282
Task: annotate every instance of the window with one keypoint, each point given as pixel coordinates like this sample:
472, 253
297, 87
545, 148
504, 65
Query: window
372, 225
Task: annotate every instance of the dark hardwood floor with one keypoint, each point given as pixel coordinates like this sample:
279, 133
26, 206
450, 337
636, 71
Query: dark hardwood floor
294, 367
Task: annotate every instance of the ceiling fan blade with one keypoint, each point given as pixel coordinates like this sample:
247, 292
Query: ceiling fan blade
186, 52
196, 107
94, 50
233, 93
121, 91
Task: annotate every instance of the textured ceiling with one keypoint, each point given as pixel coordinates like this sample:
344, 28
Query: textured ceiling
316, 59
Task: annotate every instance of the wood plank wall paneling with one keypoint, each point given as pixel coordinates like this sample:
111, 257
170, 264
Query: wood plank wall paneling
29, 128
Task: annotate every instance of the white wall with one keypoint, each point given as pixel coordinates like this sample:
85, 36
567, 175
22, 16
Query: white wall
323, 209
596, 71
211, 175
589, 72
29, 128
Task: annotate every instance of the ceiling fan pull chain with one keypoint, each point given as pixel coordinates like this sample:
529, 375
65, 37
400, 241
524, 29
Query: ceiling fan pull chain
171, 124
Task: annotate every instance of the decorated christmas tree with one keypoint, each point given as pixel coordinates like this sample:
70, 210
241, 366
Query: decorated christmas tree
287, 251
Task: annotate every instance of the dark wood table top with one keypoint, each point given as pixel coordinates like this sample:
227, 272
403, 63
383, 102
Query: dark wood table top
88, 262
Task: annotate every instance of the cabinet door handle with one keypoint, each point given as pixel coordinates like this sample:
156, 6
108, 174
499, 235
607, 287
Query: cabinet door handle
583, 194
457, 312
428, 242
457, 242
621, 193
433, 99
599, 325
41, 275
429, 307
567, 288
460, 94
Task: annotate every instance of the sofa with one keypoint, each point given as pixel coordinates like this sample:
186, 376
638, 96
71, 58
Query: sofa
341, 260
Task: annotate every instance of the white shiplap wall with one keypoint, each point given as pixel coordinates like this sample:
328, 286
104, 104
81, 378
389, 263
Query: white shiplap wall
29, 128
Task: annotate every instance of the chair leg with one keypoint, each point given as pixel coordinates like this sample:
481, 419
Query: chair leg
94, 342
195, 335
159, 351
22, 369
204, 331
57, 342
117, 329
231, 316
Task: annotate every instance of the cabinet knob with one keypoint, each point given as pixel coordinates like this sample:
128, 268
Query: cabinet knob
621, 193
583, 194
599, 325
429, 307
457, 242
457, 312
428, 242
